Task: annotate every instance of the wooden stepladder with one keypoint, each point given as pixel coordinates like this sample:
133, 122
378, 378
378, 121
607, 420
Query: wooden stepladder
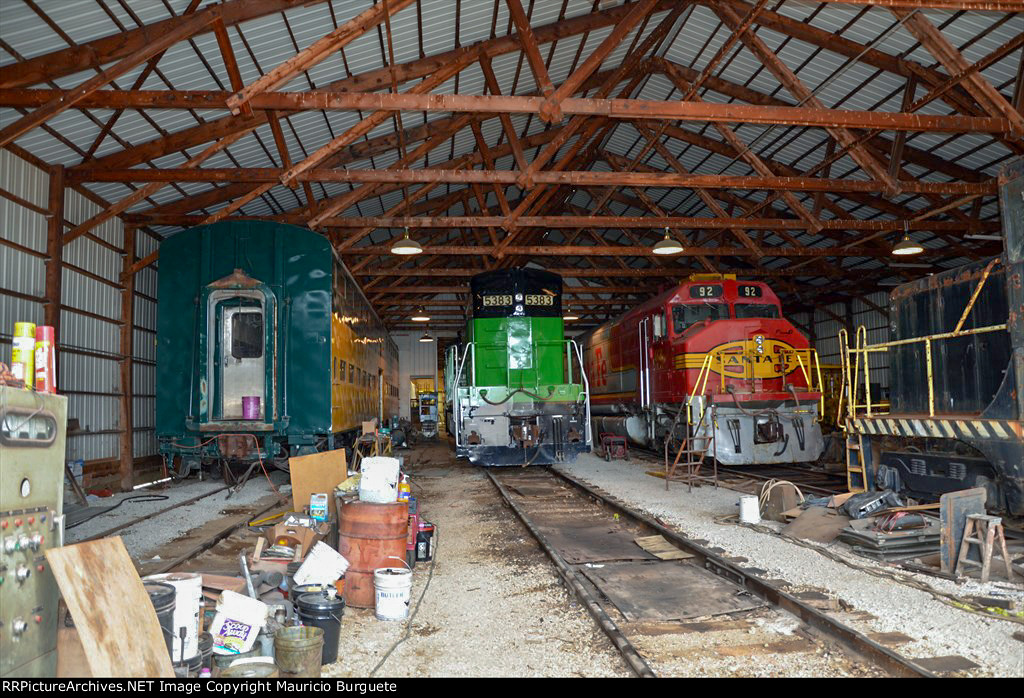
856, 470
984, 531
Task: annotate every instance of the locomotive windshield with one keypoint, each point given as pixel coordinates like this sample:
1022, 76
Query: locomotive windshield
692, 313
756, 310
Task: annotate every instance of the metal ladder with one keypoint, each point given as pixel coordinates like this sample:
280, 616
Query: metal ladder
694, 454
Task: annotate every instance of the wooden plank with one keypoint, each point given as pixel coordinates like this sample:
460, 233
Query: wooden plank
817, 524
120, 633
661, 548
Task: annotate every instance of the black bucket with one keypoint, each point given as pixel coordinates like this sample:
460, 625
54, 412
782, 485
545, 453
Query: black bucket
162, 597
206, 649
319, 611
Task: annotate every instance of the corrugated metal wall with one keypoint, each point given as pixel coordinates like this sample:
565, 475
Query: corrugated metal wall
87, 369
826, 329
415, 358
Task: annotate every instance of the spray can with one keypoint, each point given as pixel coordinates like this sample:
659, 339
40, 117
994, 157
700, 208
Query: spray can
23, 353
45, 360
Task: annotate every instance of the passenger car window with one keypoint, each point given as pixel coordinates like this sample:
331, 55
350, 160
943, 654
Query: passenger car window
247, 335
754, 310
689, 314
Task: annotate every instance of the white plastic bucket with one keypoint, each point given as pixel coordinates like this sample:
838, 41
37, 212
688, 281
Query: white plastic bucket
187, 600
379, 480
393, 592
749, 511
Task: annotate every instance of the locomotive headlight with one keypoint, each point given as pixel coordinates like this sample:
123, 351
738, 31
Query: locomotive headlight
519, 308
759, 342
519, 298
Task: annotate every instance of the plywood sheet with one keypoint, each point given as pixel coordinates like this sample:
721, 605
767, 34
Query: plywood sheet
317, 472
119, 630
667, 591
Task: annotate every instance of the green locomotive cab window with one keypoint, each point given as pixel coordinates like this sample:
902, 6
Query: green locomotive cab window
247, 335
685, 315
756, 310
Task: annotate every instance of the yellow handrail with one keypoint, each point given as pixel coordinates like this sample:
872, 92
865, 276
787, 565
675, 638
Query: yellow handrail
862, 348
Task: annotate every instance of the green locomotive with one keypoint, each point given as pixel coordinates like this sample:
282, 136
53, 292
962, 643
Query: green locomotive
515, 389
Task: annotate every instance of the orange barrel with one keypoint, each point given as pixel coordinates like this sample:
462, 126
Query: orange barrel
45, 360
23, 353
370, 536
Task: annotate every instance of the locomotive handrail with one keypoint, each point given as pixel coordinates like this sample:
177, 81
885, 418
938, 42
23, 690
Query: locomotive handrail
851, 379
457, 404
586, 386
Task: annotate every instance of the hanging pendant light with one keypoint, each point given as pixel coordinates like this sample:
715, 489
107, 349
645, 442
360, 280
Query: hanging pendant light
420, 315
426, 338
668, 245
569, 314
405, 246
906, 246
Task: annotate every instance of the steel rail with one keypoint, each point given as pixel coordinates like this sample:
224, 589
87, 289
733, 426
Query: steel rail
831, 629
636, 662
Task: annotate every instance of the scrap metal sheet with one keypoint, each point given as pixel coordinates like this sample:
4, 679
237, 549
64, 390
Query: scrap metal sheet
668, 591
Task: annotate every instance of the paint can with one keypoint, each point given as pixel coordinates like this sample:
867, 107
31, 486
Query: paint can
23, 353
749, 511
251, 668
45, 360
393, 587
251, 407
188, 598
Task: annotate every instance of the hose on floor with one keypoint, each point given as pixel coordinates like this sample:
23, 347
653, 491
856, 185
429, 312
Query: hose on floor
136, 498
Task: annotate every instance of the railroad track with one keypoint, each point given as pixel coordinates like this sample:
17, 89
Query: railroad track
703, 610
809, 478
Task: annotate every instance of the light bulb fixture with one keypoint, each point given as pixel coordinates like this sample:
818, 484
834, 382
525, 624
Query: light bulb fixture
426, 338
420, 315
906, 247
405, 246
569, 315
668, 245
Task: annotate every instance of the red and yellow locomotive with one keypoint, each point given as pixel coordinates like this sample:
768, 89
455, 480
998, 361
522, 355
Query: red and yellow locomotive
719, 350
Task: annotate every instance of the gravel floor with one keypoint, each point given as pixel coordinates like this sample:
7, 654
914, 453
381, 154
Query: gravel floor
495, 606
938, 629
148, 535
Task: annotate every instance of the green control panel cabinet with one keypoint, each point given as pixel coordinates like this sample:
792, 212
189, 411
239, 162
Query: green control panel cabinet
33, 428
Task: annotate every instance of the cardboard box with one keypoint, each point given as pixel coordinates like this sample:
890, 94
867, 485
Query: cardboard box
301, 537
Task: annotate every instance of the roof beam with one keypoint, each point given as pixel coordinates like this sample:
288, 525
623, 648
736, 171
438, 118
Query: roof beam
319, 50
796, 87
988, 97
145, 191
655, 223
530, 48
70, 98
99, 52
507, 177
418, 99
551, 111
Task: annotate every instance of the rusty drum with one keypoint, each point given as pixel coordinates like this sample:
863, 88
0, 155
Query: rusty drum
370, 536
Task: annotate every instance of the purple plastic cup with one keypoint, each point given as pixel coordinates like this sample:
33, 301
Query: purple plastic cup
251, 407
